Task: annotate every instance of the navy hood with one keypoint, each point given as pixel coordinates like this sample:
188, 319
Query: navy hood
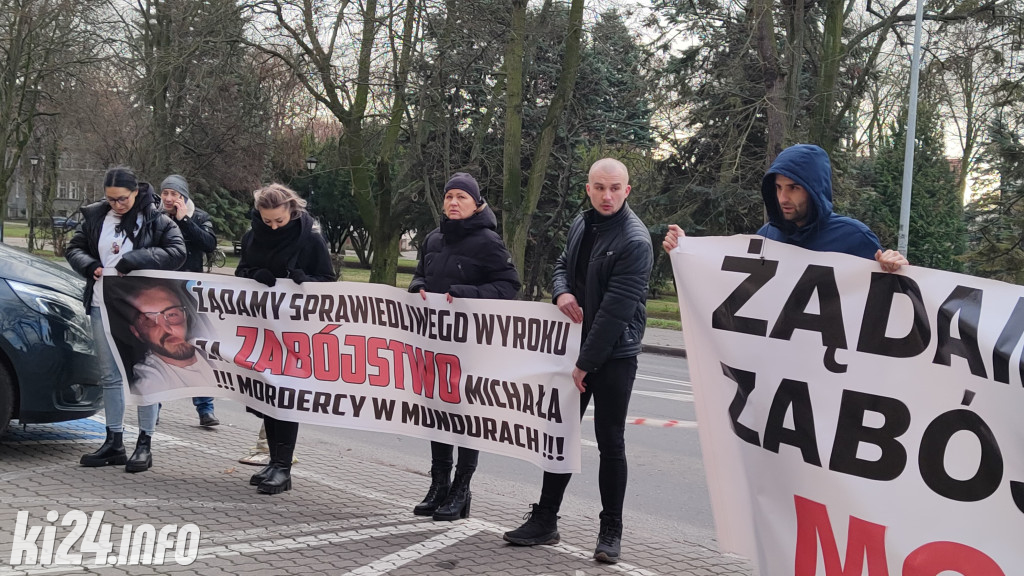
809, 166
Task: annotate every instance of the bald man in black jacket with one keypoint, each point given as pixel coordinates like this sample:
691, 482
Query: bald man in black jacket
601, 280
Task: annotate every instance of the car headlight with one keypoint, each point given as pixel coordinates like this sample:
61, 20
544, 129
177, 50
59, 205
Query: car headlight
61, 308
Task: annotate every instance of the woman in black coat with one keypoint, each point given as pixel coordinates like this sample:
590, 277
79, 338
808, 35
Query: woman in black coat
462, 258
126, 232
282, 244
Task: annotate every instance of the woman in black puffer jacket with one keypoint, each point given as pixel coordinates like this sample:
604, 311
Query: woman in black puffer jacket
125, 231
282, 244
462, 258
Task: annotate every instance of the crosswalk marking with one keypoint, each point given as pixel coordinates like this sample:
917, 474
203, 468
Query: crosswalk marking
683, 383
679, 396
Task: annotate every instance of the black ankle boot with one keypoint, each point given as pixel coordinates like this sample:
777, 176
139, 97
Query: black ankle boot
142, 458
541, 527
257, 478
109, 454
440, 484
456, 505
609, 541
279, 477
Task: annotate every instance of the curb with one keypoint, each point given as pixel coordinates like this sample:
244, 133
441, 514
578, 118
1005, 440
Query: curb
664, 350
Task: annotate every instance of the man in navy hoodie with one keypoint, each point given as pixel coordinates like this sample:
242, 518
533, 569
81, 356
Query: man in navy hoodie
797, 193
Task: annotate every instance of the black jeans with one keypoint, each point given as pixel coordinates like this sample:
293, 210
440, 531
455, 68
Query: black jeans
441, 457
610, 389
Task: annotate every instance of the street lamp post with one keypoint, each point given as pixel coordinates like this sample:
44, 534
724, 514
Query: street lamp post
34, 161
311, 163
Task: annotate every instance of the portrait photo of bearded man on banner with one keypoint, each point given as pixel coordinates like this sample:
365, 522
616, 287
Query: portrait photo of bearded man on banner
154, 324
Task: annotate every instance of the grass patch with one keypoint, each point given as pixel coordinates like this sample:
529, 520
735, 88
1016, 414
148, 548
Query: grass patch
352, 259
664, 308
15, 229
405, 265
363, 275
667, 324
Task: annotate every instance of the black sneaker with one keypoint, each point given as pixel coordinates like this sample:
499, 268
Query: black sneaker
609, 541
208, 419
541, 527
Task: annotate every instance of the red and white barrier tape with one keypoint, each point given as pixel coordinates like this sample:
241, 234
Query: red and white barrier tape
656, 422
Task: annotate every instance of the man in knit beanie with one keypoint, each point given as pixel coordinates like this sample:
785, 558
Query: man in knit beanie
197, 229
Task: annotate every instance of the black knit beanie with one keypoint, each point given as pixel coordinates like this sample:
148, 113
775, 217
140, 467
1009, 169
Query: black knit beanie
466, 183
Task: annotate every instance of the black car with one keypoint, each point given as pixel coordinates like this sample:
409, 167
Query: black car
48, 366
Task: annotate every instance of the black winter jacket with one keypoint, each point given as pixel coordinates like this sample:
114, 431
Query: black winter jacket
296, 246
467, 259
614, 292
197, 230
158, 243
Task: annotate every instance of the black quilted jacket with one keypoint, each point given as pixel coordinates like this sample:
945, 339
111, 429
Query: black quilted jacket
615, 297
467, 259
158, 243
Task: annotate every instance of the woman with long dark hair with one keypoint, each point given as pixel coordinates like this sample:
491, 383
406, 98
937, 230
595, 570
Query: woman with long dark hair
125, 231
282, 243
462, 258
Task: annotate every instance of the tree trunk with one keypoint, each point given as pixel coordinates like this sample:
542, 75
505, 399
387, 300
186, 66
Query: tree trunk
794, 61
774, 77
512, 189
387, 231
433, 113
822, 126
517, 224
156, 45
373, 188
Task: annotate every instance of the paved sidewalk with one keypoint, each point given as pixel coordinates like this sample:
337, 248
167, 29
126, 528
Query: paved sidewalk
346, 515
662, 341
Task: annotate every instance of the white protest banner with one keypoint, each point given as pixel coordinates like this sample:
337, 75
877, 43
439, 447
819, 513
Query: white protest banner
485, 374
852, 421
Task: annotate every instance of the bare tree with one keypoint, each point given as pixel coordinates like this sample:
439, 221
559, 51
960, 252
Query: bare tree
44, 43
359, 85
974, 59
835, 96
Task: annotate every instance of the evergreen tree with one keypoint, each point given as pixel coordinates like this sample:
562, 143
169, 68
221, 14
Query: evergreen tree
937, 229
711, 183
613, 99
995, 219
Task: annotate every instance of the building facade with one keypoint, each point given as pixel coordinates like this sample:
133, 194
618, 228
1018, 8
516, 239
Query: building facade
77, 183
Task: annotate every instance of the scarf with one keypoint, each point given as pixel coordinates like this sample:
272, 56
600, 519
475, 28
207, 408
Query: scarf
278, 250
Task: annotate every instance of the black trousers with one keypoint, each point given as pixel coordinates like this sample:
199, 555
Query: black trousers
610, 388
281, 437
441, 457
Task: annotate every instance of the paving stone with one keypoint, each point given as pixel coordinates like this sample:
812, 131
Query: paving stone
343, 514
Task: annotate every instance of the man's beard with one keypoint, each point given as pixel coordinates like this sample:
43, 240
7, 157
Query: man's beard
181, 351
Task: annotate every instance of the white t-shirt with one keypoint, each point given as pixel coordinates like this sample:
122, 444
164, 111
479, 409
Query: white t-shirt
155, 375
113, 244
